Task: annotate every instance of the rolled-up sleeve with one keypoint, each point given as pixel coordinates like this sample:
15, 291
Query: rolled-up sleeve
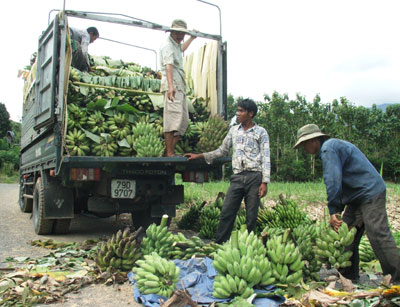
332, 170
265, 157
222, 150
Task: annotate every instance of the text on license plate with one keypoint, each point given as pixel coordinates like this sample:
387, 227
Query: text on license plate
122, 188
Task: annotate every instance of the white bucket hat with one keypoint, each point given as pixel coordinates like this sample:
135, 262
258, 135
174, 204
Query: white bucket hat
308, 132
179, 25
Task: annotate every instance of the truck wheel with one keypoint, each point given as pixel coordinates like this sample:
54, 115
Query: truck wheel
61, 226
25, 204
42, 226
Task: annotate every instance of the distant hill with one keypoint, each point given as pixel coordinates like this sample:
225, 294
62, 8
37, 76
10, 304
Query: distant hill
384, 106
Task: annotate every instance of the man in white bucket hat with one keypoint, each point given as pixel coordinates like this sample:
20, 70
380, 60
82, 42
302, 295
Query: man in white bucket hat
173, 85
352, 181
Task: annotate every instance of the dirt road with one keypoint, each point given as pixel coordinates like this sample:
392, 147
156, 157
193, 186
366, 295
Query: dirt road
17, 230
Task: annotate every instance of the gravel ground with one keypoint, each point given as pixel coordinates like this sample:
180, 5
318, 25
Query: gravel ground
17, 230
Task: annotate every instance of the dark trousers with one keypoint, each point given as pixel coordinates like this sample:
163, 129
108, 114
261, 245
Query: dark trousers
371, 217
244, 185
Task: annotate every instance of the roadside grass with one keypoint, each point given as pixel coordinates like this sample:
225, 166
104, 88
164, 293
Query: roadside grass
8, 177
303, 192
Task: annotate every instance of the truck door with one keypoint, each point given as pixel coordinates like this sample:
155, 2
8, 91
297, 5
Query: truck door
46, 82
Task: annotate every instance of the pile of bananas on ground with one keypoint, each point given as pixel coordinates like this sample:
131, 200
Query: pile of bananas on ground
213, 134
365, 250
156, 275
186, 248
305, 237
330, 245
77, 143
158, 239
240, 219
286, 214
241, 264
190, 219
285, 258
209, 219
119, 253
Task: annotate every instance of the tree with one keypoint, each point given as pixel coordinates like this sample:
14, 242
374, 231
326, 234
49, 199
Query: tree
5, 124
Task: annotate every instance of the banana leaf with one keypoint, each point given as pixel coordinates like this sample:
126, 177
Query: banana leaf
86, 77
84, 90
123, 143
95, 138
127, 108
108, 81
99, 104
98, 60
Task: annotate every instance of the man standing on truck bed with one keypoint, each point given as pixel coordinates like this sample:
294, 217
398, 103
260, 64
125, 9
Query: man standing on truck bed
353, 181
251, 167
173, 85
80, 40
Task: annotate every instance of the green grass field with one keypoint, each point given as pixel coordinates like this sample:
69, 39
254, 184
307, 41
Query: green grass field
307, 192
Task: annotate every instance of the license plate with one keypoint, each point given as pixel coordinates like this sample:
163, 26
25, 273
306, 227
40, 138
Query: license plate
122, 188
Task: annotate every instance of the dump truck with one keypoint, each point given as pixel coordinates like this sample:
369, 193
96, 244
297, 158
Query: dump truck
55, 185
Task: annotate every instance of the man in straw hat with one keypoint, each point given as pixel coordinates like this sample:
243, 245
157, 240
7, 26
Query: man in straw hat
173, 85
353, 181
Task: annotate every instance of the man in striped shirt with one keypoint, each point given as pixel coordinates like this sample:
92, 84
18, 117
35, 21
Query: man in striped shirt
251, 168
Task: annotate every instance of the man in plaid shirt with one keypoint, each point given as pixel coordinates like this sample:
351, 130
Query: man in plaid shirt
251, 167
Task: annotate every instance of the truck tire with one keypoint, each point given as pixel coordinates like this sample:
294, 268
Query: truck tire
42, 226
25, 204
61, 226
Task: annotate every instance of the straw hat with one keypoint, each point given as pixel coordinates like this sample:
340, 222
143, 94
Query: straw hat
179, 25
308, 132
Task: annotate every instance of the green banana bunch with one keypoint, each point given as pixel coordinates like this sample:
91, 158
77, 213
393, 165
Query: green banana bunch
158, 239
119, 253
365, 250
240, 219
75, 74
76, 116
209, 219
149, 146
107, 146
213, 134
186, 248
286, 214
183, 146
77, 143
285, 257
128, 151
201, 111
97, 123
241, 264
305, 238
119, 126
330, 245
190, 219
142, 128
143, 103
158, 125
156, 275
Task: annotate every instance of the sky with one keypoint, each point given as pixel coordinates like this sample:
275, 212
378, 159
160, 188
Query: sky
341, 48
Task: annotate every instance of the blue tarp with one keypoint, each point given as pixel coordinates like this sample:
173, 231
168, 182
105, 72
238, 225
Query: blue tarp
197, 276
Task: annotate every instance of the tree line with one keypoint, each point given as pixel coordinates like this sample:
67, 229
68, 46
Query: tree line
375, 131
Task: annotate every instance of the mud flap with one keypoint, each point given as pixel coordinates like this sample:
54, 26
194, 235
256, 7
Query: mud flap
59, 201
